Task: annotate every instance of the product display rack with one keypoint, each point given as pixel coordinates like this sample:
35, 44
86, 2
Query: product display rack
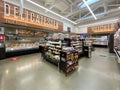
64, 52
68, 61
76, 44
88, 43
56, 46
53, 53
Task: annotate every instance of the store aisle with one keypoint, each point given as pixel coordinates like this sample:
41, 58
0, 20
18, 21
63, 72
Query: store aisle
32, 73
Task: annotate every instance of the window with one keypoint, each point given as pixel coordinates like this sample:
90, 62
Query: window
89, 2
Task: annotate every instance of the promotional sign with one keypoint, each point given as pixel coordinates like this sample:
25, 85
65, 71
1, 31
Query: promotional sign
12, 14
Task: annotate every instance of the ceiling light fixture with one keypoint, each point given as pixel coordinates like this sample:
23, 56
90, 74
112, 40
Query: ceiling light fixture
90, 10
51, 11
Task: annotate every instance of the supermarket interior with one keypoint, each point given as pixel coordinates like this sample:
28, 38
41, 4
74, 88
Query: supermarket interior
60, 45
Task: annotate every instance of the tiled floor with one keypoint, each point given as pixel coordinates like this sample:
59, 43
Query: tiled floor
100, 72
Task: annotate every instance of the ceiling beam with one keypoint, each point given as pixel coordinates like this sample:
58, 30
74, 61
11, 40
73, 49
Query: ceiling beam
66, 2
88, 13
109, 15
105, 5
84, 9
70, 1
72, 4
54, 4
114, 5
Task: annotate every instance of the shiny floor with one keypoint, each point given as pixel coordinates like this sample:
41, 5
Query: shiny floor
100, 72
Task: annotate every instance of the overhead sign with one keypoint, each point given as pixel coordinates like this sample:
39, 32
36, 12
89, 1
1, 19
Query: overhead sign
106, 28
12, 15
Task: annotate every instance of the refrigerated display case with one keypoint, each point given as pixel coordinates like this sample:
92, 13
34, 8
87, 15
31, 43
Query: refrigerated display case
20, 42
100, 40
20, 45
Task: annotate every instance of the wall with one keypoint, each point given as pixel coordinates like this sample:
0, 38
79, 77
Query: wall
34, 8
81, 30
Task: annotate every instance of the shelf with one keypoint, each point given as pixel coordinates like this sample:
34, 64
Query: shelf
58, 47
80, 51
100, 44
51, 48
55, 42
50, 45
56, 53
75, 44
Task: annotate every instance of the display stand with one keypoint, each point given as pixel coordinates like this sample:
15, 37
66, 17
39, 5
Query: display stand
87, 51
68, 61
65, 52
76, 44
111, 43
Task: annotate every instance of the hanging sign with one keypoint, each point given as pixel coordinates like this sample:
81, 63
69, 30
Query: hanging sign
13, 14
106, 28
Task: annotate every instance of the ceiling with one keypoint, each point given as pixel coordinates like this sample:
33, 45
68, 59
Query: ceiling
72, 10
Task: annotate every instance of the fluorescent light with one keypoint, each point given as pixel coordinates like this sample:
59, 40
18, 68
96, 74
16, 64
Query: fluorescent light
90, 10
89, 2
119, 7
51, 11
